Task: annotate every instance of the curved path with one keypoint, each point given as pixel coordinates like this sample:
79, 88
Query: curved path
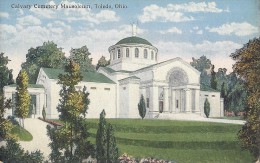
40, 139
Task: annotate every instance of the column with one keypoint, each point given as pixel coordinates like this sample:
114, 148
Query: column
173, 100
154, 99
165, 99
143, 92
197, 101
187, 100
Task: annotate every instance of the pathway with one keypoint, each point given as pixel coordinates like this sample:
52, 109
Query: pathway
40, 139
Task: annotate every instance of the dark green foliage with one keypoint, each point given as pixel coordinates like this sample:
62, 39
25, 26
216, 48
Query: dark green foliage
112, 149
213, 79
81, 57
203, 64
43, 113
14, 153
70, 143
6, 76
247, 66
206, 107
102, 62
106, 148
5, 124
47, 55
142, 107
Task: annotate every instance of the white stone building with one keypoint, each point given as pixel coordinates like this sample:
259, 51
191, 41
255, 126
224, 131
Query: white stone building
169, 88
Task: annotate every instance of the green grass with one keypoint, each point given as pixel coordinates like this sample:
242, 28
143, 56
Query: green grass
182, 141
22, 134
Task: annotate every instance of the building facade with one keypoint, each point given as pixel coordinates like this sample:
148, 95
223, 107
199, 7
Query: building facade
169, 88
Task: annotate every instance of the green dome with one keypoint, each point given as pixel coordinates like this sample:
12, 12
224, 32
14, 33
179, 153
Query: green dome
133, 40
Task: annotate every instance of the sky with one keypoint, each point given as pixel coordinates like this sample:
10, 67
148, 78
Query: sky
178, 28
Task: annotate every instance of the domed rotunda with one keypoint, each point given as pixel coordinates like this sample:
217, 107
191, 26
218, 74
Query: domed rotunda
132, 53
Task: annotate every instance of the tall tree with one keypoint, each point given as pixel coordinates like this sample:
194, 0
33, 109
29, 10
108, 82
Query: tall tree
70, 144
207, 107
203, 65
247, 66
106, 148
6, 76
213, 79
102, 62
5, 124
48, 55
22, 96
223, 94
142, 107
81, 56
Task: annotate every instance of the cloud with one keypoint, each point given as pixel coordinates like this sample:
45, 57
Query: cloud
215, 51
176, 12
199, 32
238, 29
156, 13
28, 20
9, 29
172, 30
75, 14
4, 15
195, 7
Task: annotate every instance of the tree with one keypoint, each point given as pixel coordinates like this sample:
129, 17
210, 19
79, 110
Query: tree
13, 152
223, 94
81, 57
70, 144
5, 125
106, 148
247, 67
213, 80
23, 97
203, 65
206, 107
48, 55
142, 107
6, 76
43, 113
102, 62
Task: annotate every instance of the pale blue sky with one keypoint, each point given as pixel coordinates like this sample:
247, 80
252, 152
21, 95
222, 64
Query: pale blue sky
177, 28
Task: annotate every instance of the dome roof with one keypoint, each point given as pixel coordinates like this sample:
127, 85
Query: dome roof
133, 40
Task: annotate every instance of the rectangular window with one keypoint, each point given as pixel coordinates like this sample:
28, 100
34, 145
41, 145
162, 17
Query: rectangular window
177, 103
93, 87
147, 102
213, 95
107, 89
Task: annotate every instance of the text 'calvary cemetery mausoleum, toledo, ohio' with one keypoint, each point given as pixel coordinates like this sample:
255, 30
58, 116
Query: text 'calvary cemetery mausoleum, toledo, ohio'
169, 88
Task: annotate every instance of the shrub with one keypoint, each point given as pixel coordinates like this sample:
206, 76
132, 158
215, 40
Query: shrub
206, 107
43, 113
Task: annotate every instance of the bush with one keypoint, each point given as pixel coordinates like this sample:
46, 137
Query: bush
13, 152
206, 107
13, 120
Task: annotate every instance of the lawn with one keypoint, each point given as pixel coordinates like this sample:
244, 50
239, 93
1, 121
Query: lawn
182, 141
22, 134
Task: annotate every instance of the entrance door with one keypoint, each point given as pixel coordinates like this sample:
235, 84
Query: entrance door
160, 106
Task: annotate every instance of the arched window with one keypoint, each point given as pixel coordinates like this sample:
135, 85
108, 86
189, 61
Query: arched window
145, 53
136, 52
118, 53
127, 52
152, 55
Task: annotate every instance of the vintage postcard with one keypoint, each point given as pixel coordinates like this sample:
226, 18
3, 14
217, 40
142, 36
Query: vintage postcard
125, 81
